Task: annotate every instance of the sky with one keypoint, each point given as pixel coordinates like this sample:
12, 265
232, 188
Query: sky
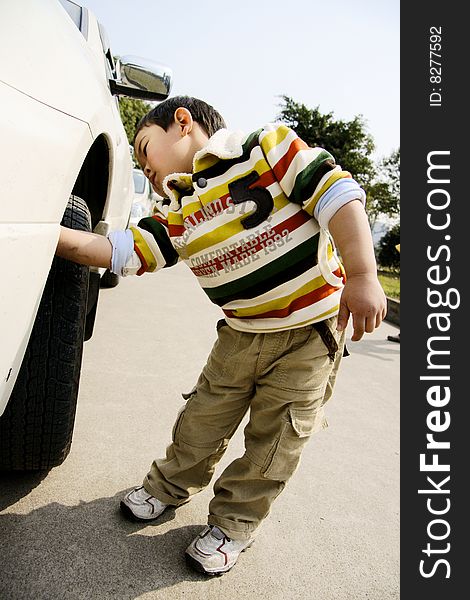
241, 56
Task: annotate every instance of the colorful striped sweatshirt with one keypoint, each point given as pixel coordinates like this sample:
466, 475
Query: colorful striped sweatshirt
250, 222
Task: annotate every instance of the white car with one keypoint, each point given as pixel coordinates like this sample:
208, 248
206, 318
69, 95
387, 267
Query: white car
144, 198
62, 135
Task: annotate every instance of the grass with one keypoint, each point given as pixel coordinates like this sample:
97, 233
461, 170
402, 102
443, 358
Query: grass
390, 281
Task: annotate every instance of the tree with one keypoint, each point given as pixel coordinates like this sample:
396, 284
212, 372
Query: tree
387, 254
132, 110
347, 141
383, 197
351, 146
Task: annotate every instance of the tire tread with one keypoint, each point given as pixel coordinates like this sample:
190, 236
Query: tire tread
37, 426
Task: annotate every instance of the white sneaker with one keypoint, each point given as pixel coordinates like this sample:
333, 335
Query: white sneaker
139, 505
214, 553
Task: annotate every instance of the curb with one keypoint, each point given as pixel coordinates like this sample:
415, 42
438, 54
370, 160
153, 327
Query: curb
393, 311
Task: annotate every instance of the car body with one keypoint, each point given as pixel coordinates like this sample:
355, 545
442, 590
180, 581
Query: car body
61, 132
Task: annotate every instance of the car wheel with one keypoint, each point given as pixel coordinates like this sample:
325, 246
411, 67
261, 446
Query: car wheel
109, 280
37, 425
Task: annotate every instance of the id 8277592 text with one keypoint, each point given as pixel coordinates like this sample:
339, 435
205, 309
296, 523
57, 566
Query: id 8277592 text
435, 66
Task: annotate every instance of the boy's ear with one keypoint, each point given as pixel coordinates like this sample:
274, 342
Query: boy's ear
184, 120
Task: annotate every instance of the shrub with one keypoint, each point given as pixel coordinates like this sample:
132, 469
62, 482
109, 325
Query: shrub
387, 253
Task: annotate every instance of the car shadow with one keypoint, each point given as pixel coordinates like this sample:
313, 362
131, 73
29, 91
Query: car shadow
89, 551
14, 485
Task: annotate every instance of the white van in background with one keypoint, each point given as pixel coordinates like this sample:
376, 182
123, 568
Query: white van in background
144, 198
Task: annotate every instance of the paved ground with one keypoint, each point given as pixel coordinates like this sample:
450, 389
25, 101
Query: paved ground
331, 535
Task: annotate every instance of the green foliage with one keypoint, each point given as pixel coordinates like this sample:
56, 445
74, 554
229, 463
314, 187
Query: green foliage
351, 146
347, 141
384, 194
132, 110
390, 282
387, 253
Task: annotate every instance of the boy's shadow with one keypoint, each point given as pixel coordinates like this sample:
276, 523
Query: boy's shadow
383, 350
87, 551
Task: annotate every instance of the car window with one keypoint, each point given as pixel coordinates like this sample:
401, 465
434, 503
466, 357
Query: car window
107, 50
77, 14
139, 182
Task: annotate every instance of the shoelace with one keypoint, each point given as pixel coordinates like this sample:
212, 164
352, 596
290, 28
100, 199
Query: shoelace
219, 534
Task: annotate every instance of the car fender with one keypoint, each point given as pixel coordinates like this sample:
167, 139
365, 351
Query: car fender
33, 203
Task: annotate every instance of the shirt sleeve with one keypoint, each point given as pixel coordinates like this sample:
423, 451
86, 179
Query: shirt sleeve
339, 194
143, 249
307, 175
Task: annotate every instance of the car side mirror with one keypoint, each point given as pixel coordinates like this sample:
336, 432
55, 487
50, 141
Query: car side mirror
141, 78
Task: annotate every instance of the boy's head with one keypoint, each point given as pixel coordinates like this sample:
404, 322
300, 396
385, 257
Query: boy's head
168, 137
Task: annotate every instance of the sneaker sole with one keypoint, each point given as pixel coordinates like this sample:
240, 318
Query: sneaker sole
196, 565
127, 512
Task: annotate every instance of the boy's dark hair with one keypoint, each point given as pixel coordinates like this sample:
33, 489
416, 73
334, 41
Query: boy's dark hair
204, 114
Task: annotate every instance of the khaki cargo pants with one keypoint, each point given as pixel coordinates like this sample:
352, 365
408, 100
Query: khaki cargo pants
284, 378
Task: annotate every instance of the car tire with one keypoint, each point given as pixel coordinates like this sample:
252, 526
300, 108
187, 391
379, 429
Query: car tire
109, 280
37, 425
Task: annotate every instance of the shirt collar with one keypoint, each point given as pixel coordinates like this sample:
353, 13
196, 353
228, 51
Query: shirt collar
224, 144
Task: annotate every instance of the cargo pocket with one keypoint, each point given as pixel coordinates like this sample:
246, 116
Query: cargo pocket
177, 425
179, 417
297, 427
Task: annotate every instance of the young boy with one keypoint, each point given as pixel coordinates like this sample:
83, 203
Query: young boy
250, 217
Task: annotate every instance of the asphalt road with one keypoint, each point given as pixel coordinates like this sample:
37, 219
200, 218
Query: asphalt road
331, 535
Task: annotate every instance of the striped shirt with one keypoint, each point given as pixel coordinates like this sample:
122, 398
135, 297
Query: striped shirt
250, 222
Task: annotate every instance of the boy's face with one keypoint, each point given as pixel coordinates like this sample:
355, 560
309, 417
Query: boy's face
161, 153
